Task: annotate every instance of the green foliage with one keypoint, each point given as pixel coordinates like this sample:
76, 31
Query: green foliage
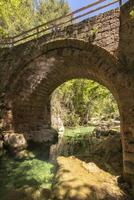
132, 13
17, 15
51, 9
78, 101
94, 31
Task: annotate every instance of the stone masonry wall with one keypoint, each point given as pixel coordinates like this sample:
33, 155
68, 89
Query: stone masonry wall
126, 56
102, 30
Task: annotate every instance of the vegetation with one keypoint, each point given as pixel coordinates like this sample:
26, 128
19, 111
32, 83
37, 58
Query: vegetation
17, 15
132, 13
79, 101
94, 32
78, 132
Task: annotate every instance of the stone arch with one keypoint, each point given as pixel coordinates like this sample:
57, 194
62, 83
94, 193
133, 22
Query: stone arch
56, 62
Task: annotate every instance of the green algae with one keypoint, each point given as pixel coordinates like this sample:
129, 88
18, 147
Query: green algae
31, 172
80, 131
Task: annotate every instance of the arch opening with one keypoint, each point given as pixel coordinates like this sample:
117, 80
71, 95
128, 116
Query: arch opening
86, 115
79, 102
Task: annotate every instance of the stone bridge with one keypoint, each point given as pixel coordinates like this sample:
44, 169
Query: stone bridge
100, 48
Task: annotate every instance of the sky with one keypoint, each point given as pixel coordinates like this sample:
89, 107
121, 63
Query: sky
76, 4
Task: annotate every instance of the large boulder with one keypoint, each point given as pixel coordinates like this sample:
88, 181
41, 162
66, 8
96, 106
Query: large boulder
77, 180
57, 123
45, 136
15, 141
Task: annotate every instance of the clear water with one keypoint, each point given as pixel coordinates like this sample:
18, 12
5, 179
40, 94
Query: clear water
32, 172
35, 171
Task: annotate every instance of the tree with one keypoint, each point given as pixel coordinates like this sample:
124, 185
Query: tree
78, 101
17, 16
51, 9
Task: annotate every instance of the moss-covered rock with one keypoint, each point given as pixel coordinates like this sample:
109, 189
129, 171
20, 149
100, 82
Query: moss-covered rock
15, 141
77, 180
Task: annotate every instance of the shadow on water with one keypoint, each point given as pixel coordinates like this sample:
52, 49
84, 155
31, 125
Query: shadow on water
34, 172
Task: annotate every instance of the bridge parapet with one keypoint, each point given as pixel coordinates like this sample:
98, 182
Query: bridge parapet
72, 25
101, 30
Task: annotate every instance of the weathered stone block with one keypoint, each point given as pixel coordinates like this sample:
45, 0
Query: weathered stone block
129, 157
129, 167
129, 147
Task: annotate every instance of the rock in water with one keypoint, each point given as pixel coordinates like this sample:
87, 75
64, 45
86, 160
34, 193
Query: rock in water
16, 143
57, 123
77, 180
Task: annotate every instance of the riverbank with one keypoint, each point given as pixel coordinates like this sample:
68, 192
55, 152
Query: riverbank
32, 177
